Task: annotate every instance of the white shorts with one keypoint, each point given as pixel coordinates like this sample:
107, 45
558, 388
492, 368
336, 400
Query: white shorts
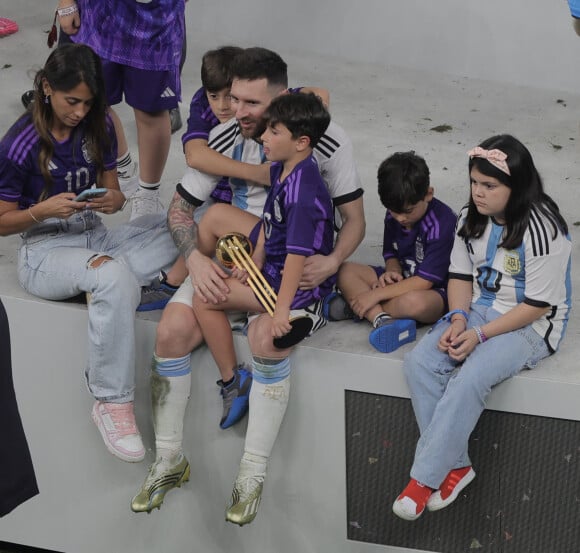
184, 295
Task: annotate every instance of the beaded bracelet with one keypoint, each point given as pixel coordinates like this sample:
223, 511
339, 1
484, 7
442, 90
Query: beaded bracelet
69, 10
481, 337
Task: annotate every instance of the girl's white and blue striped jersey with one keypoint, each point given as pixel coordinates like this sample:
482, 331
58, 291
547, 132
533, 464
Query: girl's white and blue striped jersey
537, 272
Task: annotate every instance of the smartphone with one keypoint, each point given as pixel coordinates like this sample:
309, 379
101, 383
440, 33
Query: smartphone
90, 193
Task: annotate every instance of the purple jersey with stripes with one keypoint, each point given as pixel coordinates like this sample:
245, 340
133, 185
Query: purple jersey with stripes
298, 219
70, 166
142, 34
202, 120
425, 249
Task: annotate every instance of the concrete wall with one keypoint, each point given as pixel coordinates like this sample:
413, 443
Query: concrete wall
85, 492
518, 42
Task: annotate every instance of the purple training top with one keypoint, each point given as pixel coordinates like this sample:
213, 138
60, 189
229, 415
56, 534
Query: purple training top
298, 219
202, 120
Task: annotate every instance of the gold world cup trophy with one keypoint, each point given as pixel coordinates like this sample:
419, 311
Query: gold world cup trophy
235, 250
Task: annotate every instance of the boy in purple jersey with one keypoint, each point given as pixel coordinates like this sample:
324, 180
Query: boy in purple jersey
297, 223
140, 44
417, 242
209, 107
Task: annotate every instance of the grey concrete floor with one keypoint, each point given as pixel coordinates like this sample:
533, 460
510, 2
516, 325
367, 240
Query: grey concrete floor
384, 109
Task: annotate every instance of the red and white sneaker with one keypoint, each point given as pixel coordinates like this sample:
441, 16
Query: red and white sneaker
411, 503
447, 493
116, 423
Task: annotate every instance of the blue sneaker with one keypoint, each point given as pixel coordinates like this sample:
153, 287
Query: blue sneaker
335, 308
392, 334
236, 396
157, 294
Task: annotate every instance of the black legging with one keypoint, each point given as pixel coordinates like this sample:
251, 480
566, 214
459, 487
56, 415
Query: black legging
17, 479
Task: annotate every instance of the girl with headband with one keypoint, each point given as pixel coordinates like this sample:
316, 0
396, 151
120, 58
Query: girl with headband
509, 298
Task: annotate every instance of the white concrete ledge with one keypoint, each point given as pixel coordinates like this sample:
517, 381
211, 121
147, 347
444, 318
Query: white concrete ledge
84, 498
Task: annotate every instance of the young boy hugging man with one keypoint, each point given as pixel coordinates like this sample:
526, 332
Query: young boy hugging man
297, 222
418, 237
210, 106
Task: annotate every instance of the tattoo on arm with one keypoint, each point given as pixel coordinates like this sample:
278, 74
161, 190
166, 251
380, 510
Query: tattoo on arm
181, 225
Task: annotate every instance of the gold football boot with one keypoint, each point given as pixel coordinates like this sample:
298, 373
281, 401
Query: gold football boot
159, 481
245, 500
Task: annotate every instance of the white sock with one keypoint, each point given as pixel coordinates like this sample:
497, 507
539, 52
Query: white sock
268, 404
170, 389
125, 166
379, 317
149, 185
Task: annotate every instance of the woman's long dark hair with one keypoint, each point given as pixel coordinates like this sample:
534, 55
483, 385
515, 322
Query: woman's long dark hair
527, 193
67, 67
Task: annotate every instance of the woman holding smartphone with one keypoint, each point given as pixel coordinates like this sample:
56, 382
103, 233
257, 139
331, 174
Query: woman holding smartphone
63, 146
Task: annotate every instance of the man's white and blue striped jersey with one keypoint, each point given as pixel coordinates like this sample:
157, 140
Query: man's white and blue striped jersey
536, 273
333, 154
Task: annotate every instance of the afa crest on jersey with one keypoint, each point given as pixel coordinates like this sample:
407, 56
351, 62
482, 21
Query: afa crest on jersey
85, 150
277, 211
511, 262
419, 250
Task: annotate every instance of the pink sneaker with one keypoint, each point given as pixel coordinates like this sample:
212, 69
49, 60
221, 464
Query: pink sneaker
7, 27
116, 423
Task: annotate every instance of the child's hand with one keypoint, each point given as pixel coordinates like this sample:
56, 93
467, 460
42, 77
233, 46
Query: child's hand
240, 274
281, 322
463, 345
390, 277
363, 302
450, 335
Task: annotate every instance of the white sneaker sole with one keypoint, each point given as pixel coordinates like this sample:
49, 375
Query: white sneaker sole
400, 510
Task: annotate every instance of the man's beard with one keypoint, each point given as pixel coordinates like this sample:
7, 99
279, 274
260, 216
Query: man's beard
257, 132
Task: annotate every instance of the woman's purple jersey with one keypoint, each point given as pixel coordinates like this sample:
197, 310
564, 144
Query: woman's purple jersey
70, 166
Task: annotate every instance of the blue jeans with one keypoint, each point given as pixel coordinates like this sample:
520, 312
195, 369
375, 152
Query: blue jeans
448, 398
54, 263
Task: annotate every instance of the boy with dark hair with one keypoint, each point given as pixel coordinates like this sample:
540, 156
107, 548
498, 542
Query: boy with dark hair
297, 223
210, 106
417, 242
